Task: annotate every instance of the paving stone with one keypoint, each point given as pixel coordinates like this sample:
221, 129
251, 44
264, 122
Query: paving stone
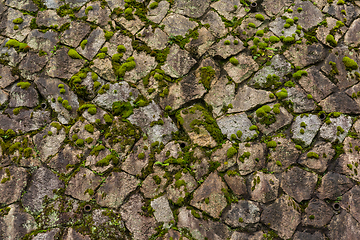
179, 189
324, 30
343, 226
176, 24
49, 18
350, 202
42, 41
273, 8
251, 158
26, 5
237, 184
75, 33
8, 25
277, 27
305, 134
351, 36
135, 162
199, 45
217, 27
70, 233
190, 8
6, 77
98, 14
68, 156
162, 209
352, 12
246, 67
242, 214
201, 166
32, 64
321, 212
231, 124
4, 97
302, 55
340, 102
150, 188
240, 235
49, 235
154, 38
333, 185
144, 65
94, 42
325, 153
308, 236
10, 54
103, 68
13, 182
119, 39
133, 26
157, 14
301, 103
226, 50
332, 132
220, 155
282, 119
93, 159
263, 187
226, 9
348, 162
23, 97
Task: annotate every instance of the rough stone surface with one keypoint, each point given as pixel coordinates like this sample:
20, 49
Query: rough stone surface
333, 185
226, 50
162, 209
242, 214
75, 34
344, 226
255, 161
320, 210
332, 132
178, 62
15, 183
263, 187
246, 67
325, 153
230, 125
176, 24
305, 135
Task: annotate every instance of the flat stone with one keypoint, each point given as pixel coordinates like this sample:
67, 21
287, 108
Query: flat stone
199, 45
98, 15
49, 18
333, 185
94, 42
237, 184
248, 98
133, 25
273, 8
331, 132
42, 41
352, 12
178, 62
277, 27
150, 188
350, 202
311, 128
10, 54
263, 187
42, 183
301, 103
176, 24
352, 92
83, 182
253, 162
145, 115
144, 65
75, 33
162, 209
344, 226
220, 156
156, 15
217, 27
231, 124
302, 55
53, 3
285, 153
308, 236
298, 183
210, 189
325, 153
154, 38
32, 64
246, 67
201, 166
103, 68
12, 188
282, 119
6, 77
133, 164
348, 162
242, 214
26, 5
223, 50
352, 35
193, 9
240, 235
93, 159
79, 129
340, 102
177, 194
324, 30
70, 234
69, 155
141, 226
226, 9
119, 39
282, 216
23, 97
8, 25
79, 3
4, 97
316, 84
320, 210
49, 235
172, 149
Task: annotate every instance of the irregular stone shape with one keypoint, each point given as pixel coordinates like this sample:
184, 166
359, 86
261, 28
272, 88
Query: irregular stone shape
157, 14
352, 92
139, 225
176, 24
340, 102
93, 159
10, 54
75, 33
13, 181
172, 234
350, 202
94, 42
298, 183
320, 210
144, 65
79, 129
242, 214
116, 188
263, 187
226, 9
26, 5
220, 155
6, 77
49, 145
240, 235
119, 39
70, 234
200, 229
272, 8
66, 156
184, 91
178, 62
348, 163
357, 126
310, 130
308, 236
162, 209
83, 182
172, 149
118, 92
223, 50
325, 153
31, 64
246, 67
135, 163
199, 45
324, 30
149, 186
279, 67
49, 235
48, 88
248, 98
4, 96
302, 55
8, 25
217, 27
285, 153
42, 41
282, 216
253, 162
49, 18
282, 119
53, 3
16, 223
42, 183
344, 226
193, 9
236, 184
133, 25
23, 97
352, 12
62, 65
316, 84
299, 99
155, 39
201, 166
145, 115
352, 35
210, 189
103, 68
333, 185
277, 27
99, 15
230, 125
177, 193
332, 132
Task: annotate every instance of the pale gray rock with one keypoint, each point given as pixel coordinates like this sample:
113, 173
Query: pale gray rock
23, 97
251, 158
144, 65
94, 42
325, 153
312, 126
201, 44
15, 183
337, 129
4, 96
226, 9
277, 27
157, 14
246, 67
242, 214
352, 12
10, 54
273, 8
348, 163
119, 39
177, 193
352, 35
301, 103
263, 187
103, 68
217, 27
49, 18
155, 39
193, 9
75, 33
26, 5
238, 122
176, 24
162, 209
223, 50
131, 25
8, 25
323, 31
98, 15
42, 41
220, 155
53, 3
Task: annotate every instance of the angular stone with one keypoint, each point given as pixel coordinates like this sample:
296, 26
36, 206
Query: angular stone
277, 27
26, 5
217, 27
285, 153
53, 3
144, 65
299, 99
178, 62
133, 25
312, 126
333, 185
337, 129
8, 25
340, 102
149, 186
226, 9
176, 24
352, 92
282, 119
220, 156
272, 8
93, 159
343, 226
199, 45
248, 98
351, 12
141, 226
70, 234
350, 202
75, 33
23, 97
251, 158
99, 15
348, 163
82, 183
6, 77
352, 35
177, 193
325, 153
282, 216
119, 39
42, 41
302, 55
4, 96
298, 183
10, 54
13, 182
242, 214
31, 64
94, 42
68, 156
210, 189
320, 210
50, 18
162, 209
240, 236
263, 187
223, 50
246, 67
308, 236
103, 68
193, 9
324, 30
155, 39
237, 184
116, 188
201, 166
135, 163
49, 235
157, 14
231, 124
42, 183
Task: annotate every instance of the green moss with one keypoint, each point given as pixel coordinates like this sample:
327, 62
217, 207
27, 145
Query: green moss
312, 155
303, 124
141, 155
302, 131
95, 151
227, 42
16, 111
16, 27
122, 108
153, 5
23, 85
299, 74
74, 54
282, 94
274, 39
331, 40
157, 179
298, 147
206, 74
260, 33
83, 43
288, 40
259, 17
234, 61
299, 9
108, 119
89, 140
231, 152
290, 10
252, 25
108, 35
105, 161
340, 2
101, 55
239, 134
271, 144
278, 163
79, 142
349, 64
18, 20
180, 183
340, 129
121, 49
89, 128
289, 84
290, 21
88, 9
